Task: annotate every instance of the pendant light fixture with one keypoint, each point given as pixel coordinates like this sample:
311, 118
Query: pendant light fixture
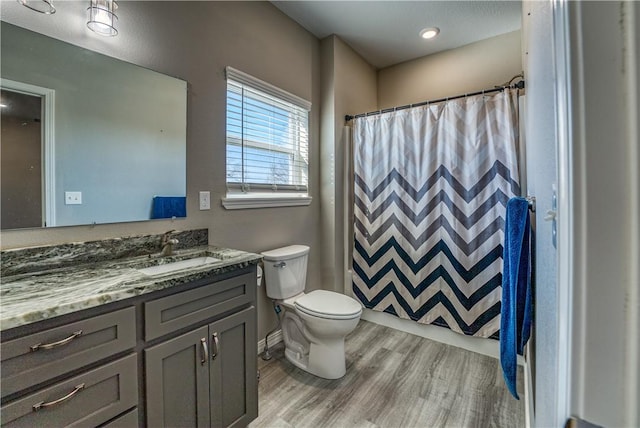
102, 17
42, 6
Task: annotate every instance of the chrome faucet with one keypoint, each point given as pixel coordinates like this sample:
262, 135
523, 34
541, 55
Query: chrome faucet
168, 243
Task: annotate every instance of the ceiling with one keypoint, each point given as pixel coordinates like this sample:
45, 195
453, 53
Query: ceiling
387, 32
383, 32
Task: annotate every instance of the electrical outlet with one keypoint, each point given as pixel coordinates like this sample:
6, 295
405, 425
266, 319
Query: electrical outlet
205, 200
73, 198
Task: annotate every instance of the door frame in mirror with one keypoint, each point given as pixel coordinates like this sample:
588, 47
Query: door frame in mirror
47, 144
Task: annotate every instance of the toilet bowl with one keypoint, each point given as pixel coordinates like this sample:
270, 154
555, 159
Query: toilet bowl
315, 324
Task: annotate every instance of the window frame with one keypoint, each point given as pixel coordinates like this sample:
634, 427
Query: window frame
241, 195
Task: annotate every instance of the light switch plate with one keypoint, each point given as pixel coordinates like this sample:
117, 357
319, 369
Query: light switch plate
205, 200
73, 198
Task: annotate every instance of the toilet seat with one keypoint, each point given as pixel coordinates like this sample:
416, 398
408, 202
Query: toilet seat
328, 305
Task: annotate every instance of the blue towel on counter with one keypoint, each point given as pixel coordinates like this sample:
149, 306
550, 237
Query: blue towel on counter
516, 310
169, 206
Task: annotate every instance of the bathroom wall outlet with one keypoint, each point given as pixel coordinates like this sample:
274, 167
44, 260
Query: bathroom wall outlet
205, 200
73, 198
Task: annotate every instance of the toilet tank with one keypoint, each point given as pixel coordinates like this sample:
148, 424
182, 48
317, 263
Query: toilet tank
285, 271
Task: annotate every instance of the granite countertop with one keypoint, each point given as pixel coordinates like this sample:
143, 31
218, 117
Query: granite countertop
38, 295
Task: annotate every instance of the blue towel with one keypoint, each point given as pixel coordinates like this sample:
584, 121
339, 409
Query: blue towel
169, 206
516, 310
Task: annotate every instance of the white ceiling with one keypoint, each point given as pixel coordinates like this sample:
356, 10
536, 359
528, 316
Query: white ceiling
386, 32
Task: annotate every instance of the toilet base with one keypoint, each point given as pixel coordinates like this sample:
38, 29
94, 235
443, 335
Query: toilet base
321, 357
324, 360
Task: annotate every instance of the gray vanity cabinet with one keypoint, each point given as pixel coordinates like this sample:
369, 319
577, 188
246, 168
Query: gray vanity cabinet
206, 377
47, 373
177, 381
190, 350
44, 355
88, 399
233, 367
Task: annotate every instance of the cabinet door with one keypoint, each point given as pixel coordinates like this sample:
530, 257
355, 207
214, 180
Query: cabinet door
234, 393
177, 381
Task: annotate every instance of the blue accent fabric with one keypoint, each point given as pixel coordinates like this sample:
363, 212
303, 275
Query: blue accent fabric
516, 310
169, 206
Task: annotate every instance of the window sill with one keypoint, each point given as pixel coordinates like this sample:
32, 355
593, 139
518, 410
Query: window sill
249, 202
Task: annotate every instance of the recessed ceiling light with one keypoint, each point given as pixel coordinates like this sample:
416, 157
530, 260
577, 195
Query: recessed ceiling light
3, 105
429, 33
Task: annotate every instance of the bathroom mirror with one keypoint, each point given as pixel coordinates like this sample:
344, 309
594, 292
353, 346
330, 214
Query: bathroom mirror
86, 138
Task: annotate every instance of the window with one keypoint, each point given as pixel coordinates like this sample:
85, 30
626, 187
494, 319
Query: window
267, 144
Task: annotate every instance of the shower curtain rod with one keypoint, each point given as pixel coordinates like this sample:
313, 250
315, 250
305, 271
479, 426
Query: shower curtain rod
517, 85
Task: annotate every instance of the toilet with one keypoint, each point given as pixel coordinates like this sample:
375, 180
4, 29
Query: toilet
315, 324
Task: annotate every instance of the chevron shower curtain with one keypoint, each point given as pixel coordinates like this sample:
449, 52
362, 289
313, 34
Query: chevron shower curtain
431, 186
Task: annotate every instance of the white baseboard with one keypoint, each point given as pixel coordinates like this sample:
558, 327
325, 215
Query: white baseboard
274, 338
482, 346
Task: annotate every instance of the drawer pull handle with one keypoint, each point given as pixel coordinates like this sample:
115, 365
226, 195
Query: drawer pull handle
216, 343
205, 352
55, 344
43, 405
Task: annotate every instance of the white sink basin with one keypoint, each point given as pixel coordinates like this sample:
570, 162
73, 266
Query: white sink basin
175, 266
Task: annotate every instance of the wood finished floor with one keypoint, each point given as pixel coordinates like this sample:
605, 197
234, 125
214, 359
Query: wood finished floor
394, 379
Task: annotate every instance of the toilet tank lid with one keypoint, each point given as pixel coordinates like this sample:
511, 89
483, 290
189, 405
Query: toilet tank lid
285, 253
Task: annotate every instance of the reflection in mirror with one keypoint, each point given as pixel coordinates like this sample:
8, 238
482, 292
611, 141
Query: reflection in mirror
87, 138
21, 159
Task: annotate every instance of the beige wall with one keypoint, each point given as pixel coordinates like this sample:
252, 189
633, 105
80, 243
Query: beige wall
348, 87
470, 68
195, 41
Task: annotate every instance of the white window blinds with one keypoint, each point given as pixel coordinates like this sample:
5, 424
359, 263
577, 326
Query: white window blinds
267, 137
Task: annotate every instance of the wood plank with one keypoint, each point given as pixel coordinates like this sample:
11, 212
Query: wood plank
393, 379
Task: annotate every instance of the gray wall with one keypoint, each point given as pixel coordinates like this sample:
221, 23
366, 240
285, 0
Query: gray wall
604, 124
469, 68
348, 87
195, 41
584, 55
120, 130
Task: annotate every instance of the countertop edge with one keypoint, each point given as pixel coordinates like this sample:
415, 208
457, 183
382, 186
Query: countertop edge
120, 281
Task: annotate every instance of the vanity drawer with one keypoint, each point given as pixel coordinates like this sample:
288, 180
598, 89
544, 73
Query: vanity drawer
38, 357
171, 313
88, 399
128, 420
